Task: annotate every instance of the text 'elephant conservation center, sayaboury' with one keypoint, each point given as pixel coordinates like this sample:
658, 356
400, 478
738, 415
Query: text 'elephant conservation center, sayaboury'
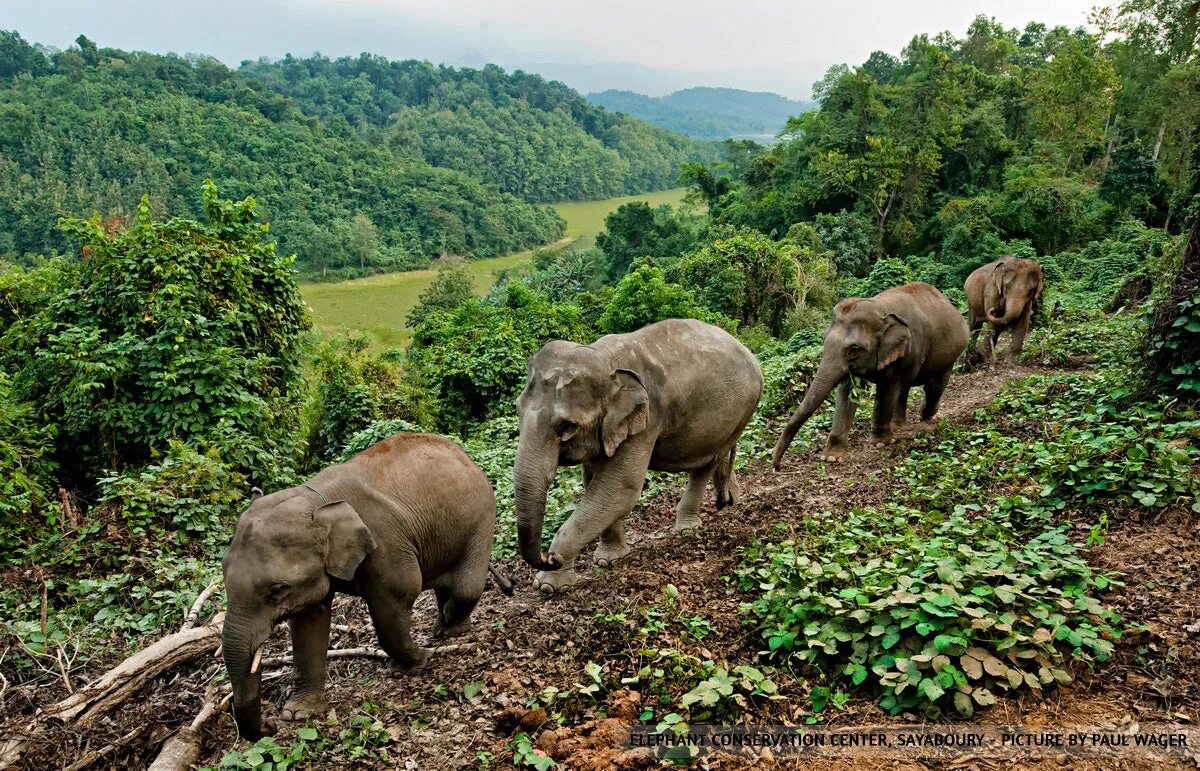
536, 389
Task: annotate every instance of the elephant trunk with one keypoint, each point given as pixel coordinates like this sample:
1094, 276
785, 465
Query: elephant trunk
536, 465
1007, 313
829, 374
241, 639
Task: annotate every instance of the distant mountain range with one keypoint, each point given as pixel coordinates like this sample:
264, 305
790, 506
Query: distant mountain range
707, 113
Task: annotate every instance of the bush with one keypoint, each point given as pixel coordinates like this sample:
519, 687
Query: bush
452, 287
354, 388
887, 273
475, 358
644, 296
26, 473
743, 274
174, 330
931, 612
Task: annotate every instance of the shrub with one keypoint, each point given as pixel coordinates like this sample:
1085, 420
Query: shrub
932, 612
26, 472
354, 388
644, 296
174, 330
452, 287
474, 359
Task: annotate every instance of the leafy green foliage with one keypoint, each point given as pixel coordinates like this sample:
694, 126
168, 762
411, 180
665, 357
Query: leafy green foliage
363, 740
706, 113
159, 125
451, 288
934, 614
27, 471
175, 329
474, 358
644, 296
533, 138
635, 230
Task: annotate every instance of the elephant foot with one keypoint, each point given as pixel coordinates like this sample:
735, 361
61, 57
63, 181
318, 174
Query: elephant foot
687, 528
304, 706
607, 554
549, 582
418, 662
441, 632
833, 454
898, 425
882, 440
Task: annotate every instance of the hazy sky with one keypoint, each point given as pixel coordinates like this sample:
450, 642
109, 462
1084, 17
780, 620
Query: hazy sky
648, 45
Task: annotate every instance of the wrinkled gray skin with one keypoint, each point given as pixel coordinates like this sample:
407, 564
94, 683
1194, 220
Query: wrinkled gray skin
672, 396
900, 338
1002, 294
410, 513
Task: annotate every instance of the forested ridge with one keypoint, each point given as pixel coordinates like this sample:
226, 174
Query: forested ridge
536, 139
1029, 555
353, 177
706, 113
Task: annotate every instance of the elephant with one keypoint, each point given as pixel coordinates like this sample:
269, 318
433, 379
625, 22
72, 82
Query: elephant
907, 336
407, 514
672, 396
1004, 293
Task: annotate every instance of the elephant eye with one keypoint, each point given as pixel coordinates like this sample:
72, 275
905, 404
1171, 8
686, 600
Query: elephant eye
566, 429
277, 591
854, 348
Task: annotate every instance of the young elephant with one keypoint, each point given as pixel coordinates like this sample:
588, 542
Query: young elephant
410, 513
1003, 293
672, 396
903, 337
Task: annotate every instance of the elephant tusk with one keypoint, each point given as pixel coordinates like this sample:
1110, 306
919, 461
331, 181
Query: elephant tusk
257, 660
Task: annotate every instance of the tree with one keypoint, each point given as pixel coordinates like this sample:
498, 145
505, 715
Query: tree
744, 275
172, 329
643, 297
1071, 97
452, 287
363, 240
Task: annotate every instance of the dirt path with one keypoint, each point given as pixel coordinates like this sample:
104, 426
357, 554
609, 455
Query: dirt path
445, 716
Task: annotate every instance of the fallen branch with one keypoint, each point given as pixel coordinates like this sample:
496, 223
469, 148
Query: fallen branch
193, 615
182, 751
91, 702
108, 749
361, 653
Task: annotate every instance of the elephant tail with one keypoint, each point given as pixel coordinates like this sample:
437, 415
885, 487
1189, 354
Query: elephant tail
503, 583
721, 477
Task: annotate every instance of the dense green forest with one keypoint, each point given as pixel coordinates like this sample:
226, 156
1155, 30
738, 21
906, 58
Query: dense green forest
535, 139
707, 113
147, 386
353, 178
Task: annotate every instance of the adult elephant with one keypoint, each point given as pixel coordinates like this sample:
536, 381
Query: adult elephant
407, 514
672, 396
1003, 294
903, 337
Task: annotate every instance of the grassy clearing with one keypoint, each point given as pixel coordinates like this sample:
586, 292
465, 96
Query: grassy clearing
379, 304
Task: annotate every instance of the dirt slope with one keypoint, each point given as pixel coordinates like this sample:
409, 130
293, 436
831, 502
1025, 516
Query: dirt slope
523, 644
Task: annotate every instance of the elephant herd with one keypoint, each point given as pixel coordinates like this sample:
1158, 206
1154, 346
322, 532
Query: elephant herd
413, 512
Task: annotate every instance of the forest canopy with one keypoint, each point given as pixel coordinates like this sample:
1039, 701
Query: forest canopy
360, 165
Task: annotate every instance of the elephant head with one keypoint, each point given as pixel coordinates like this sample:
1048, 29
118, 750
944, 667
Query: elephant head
284, 550
1013, 286
576, 407
863, 339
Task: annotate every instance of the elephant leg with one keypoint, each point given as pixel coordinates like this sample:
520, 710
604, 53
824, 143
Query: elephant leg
457, 599
839, 433
391, 612
725, 480
1019, 333
310, 641
990, 336
933, 394
614, 489
900, 415
612, 545
687, 511
886, 396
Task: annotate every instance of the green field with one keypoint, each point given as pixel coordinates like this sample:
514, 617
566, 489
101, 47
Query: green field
379, 304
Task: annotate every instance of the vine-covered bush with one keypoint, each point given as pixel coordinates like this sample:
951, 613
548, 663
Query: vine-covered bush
172, 330
644, 296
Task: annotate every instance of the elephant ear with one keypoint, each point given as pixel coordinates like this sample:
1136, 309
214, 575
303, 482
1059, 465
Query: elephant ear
348, 541
894, 341
628, 410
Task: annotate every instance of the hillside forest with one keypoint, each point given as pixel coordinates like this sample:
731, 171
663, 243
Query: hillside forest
360, 165
707, 113
1029, 555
